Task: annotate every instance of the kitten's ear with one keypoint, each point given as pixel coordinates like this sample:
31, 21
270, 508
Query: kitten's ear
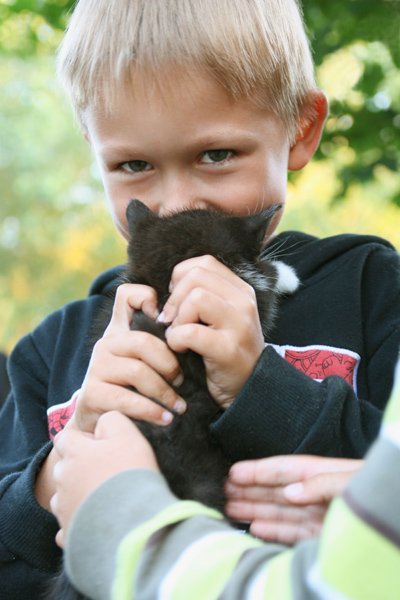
135, 212
258, 223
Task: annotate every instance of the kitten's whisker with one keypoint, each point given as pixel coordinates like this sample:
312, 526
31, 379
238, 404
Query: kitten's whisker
275, 252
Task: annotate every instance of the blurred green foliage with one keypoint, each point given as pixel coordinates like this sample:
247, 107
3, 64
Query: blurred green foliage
55, 233
368, 119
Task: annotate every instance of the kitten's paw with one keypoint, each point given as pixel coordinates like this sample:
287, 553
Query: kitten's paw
287, 282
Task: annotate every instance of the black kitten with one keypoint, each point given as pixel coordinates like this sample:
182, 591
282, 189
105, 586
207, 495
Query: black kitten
194, 466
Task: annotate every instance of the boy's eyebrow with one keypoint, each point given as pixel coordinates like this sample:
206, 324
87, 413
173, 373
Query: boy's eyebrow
224, 139
110, 151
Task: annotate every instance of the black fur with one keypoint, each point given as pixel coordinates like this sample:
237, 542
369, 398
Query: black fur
194, 466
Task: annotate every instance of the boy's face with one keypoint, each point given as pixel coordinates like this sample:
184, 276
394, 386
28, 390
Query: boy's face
190, 145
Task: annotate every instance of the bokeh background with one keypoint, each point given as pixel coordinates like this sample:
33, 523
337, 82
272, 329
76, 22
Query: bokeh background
55, 232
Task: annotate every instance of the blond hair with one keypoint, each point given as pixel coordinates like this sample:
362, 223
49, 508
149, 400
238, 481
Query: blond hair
254, 48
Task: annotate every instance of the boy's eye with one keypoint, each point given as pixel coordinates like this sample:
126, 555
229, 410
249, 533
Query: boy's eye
136, 166
216, 156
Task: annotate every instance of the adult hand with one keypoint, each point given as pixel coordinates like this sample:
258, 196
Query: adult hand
214, 312
87, 460
286, 497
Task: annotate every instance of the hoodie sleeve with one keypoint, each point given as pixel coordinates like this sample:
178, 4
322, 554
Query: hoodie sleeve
27, 531
280, 410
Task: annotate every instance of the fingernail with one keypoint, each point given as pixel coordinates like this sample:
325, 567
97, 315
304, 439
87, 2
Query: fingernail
180, 406
170, 287
178, 380
294, 489
161, 317
167, 417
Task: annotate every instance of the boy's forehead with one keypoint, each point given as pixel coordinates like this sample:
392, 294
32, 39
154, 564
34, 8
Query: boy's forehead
183, 120
171, 84
191, 92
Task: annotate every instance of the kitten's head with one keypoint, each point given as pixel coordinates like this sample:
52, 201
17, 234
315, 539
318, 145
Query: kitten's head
157, 244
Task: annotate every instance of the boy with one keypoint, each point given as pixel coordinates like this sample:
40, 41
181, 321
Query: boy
199, 104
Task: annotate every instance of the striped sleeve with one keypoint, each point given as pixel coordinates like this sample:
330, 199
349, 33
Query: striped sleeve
359, 554
186, 550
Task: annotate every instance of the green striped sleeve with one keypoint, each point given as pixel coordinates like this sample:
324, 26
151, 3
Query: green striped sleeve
355, 560
217, 551
359, 556
133, 544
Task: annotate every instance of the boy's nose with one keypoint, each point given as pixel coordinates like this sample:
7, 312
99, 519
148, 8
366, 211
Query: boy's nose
177, 194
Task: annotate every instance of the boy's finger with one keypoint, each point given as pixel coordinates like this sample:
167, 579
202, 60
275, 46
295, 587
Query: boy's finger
128, 381
205, 307
198, 278
206, 341
133, 404
131, 297
140, 345
206, 263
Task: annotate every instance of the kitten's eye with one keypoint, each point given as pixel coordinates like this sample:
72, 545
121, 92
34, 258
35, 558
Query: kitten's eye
216, 156
136, 166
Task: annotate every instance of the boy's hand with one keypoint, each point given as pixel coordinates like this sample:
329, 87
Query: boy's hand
87, 460
286, 497
214, 313
129, 358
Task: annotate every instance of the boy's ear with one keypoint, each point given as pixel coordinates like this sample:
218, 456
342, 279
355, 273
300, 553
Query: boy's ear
309, 132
